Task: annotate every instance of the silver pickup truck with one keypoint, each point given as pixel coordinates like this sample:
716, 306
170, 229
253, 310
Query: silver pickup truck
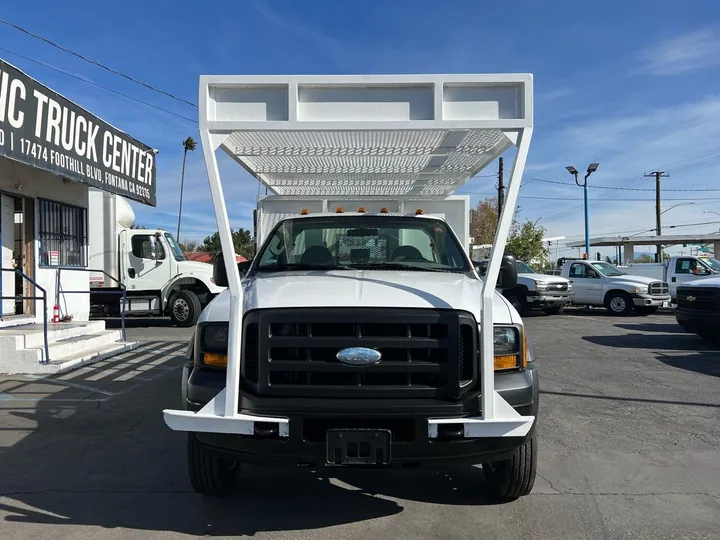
551, 294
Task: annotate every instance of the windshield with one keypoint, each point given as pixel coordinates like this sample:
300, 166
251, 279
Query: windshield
712, 263
362, 242
607, 269
174, 247
524, 268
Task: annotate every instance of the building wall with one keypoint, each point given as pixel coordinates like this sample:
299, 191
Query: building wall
22, 181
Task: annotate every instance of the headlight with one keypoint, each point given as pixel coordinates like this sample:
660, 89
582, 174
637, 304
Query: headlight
640, 290
569, 285
509, 345
213, 345
541, 285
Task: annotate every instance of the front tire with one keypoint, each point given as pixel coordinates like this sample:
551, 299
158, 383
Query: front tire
518, 301
619, 303
185, 308
513, 478
209, 474
645, 310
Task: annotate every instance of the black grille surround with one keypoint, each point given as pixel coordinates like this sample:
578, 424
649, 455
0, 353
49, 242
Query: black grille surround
557, 287
698, 298
426, 353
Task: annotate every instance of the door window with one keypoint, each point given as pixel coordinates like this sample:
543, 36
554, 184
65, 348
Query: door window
142, 247
685, 266
582, 271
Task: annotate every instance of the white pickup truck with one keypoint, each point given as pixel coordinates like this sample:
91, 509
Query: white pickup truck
676, 271
552, 294
598, 283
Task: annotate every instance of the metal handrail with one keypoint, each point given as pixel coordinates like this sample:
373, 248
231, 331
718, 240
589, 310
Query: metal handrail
44, 301
121, 285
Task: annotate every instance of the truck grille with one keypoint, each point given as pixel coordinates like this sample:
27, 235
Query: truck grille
658, 288
425, 353
557, 287
698, 299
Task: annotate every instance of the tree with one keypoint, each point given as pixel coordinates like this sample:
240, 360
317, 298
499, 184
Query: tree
644, 258
189, 246
242, 240
526, 242
483, 221
189, 145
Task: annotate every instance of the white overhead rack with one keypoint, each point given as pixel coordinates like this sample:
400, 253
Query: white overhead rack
389, 136
401, 136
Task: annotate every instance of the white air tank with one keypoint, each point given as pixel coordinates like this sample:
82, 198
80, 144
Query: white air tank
124, 213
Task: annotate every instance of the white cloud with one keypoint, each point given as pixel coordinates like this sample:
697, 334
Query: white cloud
695, 50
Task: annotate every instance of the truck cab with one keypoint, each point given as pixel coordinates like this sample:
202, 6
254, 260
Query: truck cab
599, 283
360, 335
147, 263
551, 294
677, 271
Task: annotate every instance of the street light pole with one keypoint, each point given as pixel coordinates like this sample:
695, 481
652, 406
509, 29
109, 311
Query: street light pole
591, 169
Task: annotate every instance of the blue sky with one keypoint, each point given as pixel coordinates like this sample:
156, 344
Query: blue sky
632, 85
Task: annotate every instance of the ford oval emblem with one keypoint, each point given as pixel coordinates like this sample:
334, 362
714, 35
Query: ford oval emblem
359, 356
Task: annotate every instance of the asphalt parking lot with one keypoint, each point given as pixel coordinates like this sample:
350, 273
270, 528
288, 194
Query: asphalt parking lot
629, 448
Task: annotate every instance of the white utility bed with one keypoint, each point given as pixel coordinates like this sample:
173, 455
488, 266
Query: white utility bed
397, 137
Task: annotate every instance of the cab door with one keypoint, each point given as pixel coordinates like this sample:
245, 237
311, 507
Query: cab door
587, 284
148, 266
686, 269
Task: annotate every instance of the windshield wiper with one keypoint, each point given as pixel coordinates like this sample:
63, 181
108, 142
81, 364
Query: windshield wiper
303, 266
400, 266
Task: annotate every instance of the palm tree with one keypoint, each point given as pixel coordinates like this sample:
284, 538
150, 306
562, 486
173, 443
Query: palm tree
188, 145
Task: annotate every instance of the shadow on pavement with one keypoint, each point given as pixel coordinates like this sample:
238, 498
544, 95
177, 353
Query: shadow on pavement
90, 448
662, 328
629, 399
705, 363
667, 342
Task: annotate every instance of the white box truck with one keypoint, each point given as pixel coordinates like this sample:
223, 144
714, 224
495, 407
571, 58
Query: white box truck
148, 263
360, 335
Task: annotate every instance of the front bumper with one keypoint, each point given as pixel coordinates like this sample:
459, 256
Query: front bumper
645, 300
692, 320
550, 299
425, 432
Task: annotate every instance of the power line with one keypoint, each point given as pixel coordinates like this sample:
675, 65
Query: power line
98, 64
48, 66
623, 188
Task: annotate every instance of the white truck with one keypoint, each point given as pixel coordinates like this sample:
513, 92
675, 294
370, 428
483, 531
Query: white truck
676, 271
360, 335
601, 284
159, 281
551, 294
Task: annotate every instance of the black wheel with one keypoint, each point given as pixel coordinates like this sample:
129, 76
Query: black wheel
518, 301
555, 310
619, 303
185, 308
645, 310
514, 477
209, 474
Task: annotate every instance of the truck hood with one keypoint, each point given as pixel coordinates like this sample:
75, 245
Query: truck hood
544, 277
358, 288
702, 282
632, 280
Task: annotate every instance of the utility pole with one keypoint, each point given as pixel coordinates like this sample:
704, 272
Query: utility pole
501, 188
658, 224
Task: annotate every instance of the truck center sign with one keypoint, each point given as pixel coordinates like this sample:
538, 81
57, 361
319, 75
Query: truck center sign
41, 128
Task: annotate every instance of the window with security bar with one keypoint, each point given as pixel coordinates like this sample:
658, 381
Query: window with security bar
63, 234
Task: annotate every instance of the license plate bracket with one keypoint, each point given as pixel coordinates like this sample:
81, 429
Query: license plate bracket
358, 446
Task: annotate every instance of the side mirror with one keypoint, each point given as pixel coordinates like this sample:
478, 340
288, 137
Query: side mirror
508, 272
154, 249
219, 273
244, 266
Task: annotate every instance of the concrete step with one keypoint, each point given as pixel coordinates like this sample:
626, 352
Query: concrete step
75, 345
60, 364
61, 331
